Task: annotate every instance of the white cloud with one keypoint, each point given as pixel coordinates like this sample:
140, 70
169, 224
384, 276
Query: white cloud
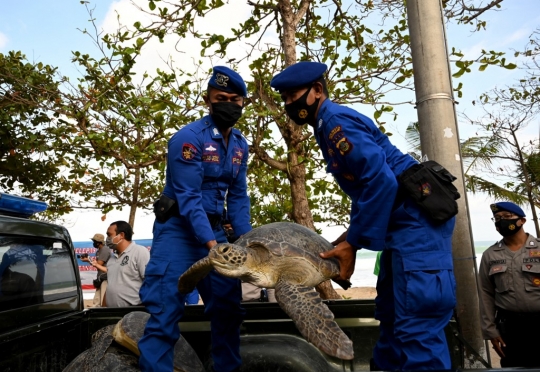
3, 40
185, 53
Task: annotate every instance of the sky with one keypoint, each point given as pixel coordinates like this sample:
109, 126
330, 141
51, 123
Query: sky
48, 31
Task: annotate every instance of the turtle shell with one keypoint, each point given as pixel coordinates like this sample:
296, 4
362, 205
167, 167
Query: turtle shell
287, 239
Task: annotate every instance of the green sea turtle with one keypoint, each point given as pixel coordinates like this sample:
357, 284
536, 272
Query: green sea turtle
114, 348
130, 329
104, 356
284, 256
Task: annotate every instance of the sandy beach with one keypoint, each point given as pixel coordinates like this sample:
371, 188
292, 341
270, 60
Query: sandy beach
349, 294
360, 293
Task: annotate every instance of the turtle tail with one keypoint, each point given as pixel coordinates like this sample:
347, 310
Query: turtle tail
188, 280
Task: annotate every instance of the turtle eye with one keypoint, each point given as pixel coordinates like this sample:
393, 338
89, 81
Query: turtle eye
225, 249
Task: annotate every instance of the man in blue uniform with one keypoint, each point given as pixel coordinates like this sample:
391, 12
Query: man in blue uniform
206, 168
416, 286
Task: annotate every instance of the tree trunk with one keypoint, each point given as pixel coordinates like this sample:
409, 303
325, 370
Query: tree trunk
134, 198
292, 135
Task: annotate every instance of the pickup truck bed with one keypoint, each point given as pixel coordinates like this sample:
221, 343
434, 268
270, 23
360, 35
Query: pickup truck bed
270, 341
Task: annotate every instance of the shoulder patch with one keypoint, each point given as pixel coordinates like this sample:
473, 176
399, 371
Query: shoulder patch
344, 146
334, 131
188, 151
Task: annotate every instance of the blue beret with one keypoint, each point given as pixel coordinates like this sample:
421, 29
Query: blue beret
298, 75
508, 207
227, 80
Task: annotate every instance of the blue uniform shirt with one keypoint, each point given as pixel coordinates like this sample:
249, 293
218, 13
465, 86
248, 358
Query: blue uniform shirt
202, 173
365, 165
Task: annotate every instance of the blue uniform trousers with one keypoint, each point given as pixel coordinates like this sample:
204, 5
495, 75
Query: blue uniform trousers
415, 292
174, 250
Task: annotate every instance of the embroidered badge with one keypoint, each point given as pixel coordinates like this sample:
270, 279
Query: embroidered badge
497, 262
496, 269
344, 146
237, 156
210, 147
531, 243
216, 132
331, 152
222, 80
348, 176
534, 252
425, 189
320, 123
303, 114
528, 267
334, 131
531, 260
511, 227
536, 281
125, 261
494, 208
209, 158
188, 151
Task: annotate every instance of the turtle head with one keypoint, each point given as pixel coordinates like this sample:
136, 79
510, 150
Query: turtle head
229, 259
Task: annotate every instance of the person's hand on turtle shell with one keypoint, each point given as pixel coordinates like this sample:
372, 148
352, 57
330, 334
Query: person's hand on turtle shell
346, 255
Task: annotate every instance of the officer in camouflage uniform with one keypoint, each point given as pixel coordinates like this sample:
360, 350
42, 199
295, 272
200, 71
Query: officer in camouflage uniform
510, 289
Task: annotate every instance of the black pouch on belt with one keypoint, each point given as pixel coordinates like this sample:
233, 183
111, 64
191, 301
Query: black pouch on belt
429, 184
165, 208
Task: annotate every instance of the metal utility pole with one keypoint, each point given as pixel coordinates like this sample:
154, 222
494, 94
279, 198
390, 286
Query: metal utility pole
440, 142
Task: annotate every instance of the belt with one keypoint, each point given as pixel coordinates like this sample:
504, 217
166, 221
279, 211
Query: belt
214, 219
502, 313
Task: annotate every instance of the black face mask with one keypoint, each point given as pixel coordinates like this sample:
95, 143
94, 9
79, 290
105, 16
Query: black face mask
300, 112
225, 114
96, 244
508, 227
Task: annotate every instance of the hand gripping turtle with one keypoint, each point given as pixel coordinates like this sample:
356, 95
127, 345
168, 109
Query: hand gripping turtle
284, 256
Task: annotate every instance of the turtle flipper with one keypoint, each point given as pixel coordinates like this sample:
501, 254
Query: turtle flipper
314, 319
188, 280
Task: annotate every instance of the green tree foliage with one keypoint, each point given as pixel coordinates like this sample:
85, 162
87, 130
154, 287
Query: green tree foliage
367, 61
100, 143
120, 123
32, 148
500, 160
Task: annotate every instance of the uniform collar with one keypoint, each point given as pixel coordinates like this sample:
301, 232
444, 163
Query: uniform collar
128, 248
319, 124
530, 243
208, 122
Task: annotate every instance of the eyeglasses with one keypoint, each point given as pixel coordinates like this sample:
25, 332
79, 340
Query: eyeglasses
502, 217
